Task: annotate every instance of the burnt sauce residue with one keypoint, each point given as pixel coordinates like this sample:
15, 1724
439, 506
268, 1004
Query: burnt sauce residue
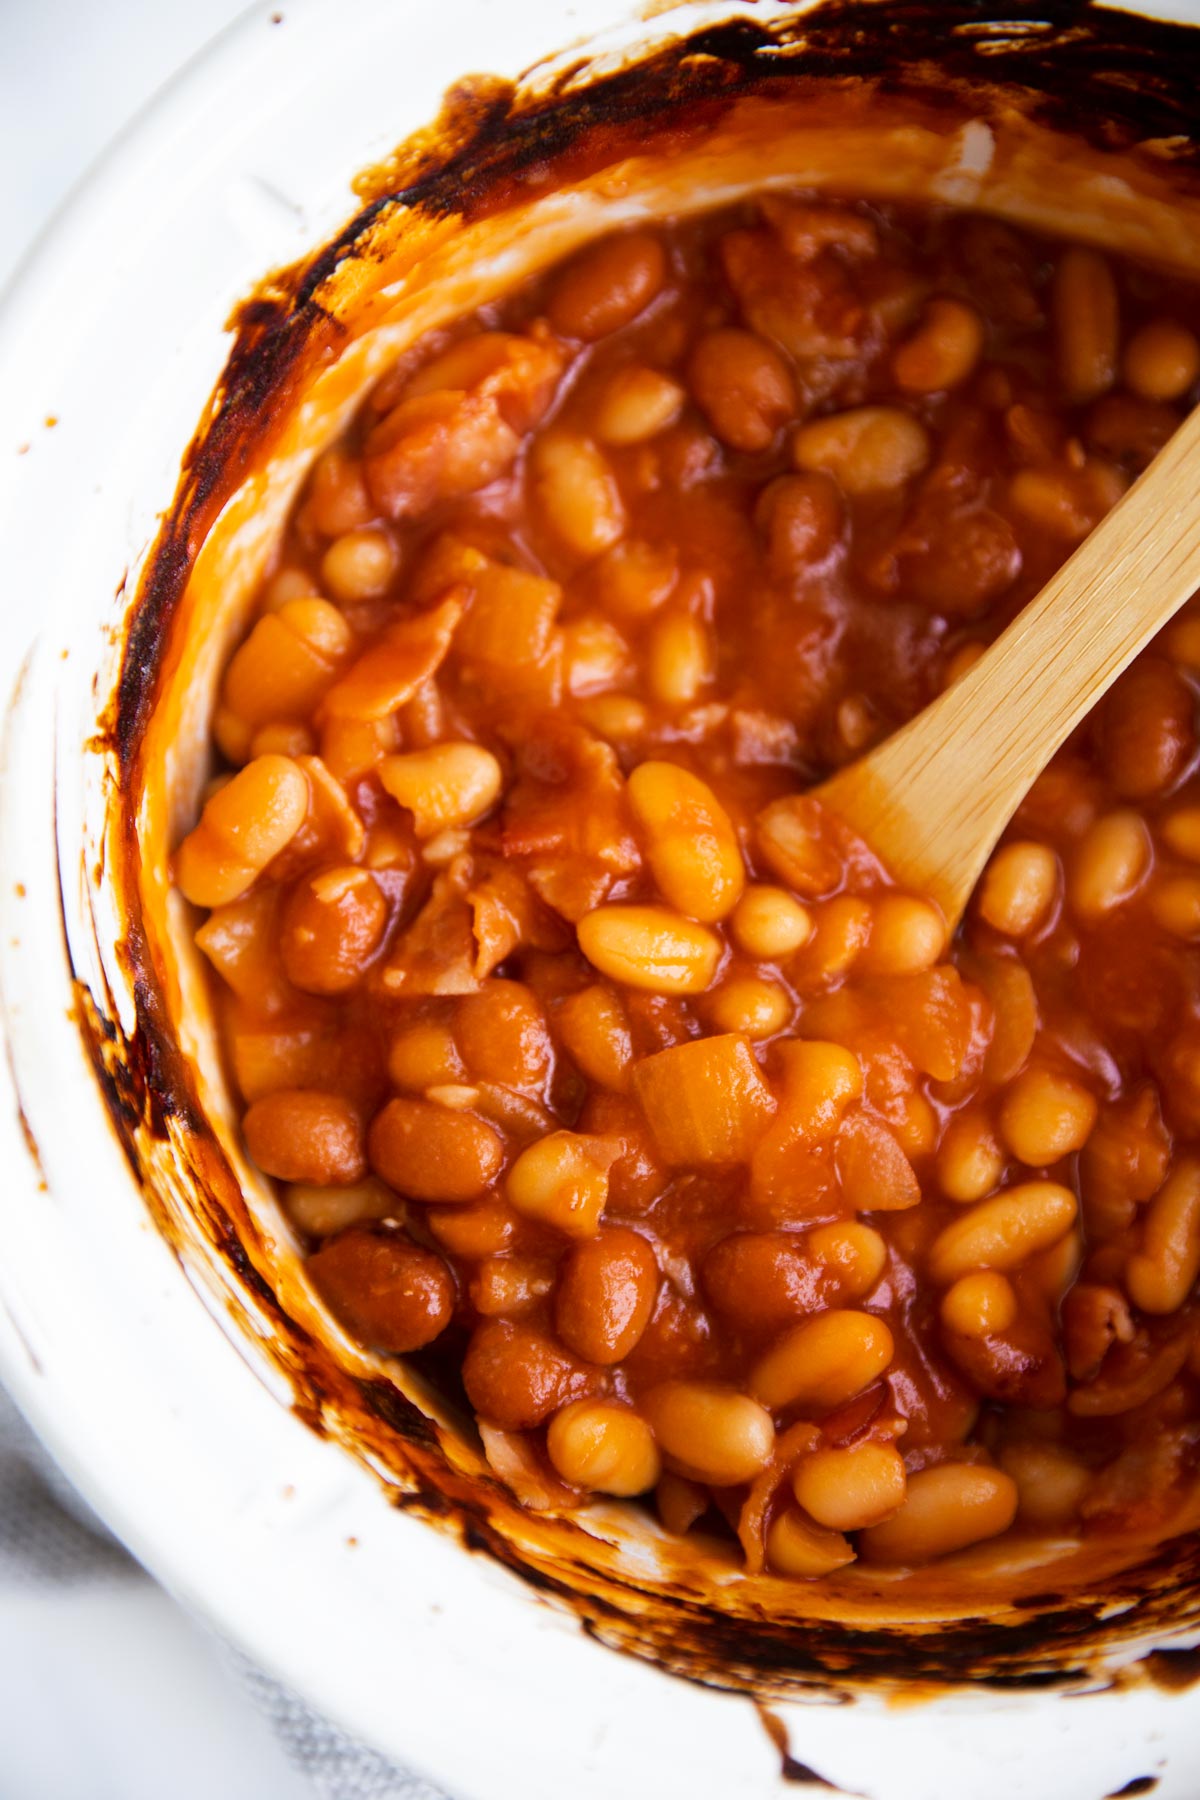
1121, 79
791, 1769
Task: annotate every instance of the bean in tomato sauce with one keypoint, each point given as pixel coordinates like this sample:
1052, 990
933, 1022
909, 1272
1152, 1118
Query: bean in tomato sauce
601, 1069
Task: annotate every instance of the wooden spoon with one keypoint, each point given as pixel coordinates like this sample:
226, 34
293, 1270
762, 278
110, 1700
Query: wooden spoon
932, 799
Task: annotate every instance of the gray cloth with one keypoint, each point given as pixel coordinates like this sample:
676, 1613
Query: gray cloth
49, 1536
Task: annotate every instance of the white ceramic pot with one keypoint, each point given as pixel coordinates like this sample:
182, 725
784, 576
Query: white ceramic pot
158, 1393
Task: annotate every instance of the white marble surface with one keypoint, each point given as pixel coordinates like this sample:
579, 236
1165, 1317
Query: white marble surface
107, 1692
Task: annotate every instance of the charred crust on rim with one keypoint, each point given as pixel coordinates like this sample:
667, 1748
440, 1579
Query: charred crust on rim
1132, 84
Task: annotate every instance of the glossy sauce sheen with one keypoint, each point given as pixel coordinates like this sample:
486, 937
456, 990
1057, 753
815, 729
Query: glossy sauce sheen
746, 1192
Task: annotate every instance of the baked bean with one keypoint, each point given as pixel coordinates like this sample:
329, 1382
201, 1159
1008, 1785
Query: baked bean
424, 1056
691, 845
320, 1212
234, 739
743, 386
867, 450
792, 839
606, 1294
942, 351
637, 404
964, 658
607, 285
802, 519
680, 659
907, 934
1175, 905
1128, 430
916, 1126
1163, 1272
851, 1258
562, 1180
1086, 323
359, 565
429, 1152
282, 739
604, 1448
336, 498
1147, 729
1161, 361
393, 1294
651, 948
506, 1287
1180, 1065
1180, 832
769, 923
851, 1488
634, 578
946, 1508
301, 1134
820, 1082
1051, 1484
762, 1282
1066, 503
1020, 1366
516, 1376
856, 723
1045, 1115
575, 492
750, 1004
1019, 888
481, 1229
595, 1030
824, 1362
331, 927
797, 1547
616, 717
1182, 640
979, 1305
503, 1035
444, 787
1003, 1232
711, 1431
1052, 1271
843, 930
288, 584
1109, 864
970, 1161
243, 827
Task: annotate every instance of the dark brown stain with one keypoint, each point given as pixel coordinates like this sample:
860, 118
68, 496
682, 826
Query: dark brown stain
791, 1769
1120, 79
1141, 1784
1173, 1670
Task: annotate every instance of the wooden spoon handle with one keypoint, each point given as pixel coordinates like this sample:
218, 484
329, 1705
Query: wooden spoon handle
933, 799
